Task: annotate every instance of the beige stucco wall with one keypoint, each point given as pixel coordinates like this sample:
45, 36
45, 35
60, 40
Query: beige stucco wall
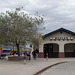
61, 43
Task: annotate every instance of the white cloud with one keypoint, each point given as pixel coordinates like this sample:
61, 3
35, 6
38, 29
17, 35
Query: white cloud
57, 13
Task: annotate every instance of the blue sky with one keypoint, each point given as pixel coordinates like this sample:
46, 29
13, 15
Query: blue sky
57, 13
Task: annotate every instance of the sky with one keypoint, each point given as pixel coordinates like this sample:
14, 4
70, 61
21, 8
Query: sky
57, 13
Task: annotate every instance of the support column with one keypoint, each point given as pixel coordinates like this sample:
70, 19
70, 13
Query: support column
61, 51
41, 53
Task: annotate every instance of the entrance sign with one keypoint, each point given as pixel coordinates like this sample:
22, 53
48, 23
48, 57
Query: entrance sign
61, 38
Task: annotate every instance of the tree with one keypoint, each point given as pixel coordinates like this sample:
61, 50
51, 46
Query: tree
20, 27
3, 29
37, 40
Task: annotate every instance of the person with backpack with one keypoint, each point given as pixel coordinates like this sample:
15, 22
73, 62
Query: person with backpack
34, 54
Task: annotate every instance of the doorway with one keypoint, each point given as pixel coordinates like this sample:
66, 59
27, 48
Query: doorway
69, 49
52, 50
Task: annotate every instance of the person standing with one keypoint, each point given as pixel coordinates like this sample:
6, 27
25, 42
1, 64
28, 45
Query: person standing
37, 51
29, 56
25, 57
34, 54
46, 56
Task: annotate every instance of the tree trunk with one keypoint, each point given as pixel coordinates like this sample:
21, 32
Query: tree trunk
18, 49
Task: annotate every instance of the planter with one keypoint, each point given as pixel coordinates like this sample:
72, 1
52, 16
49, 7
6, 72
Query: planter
15, 58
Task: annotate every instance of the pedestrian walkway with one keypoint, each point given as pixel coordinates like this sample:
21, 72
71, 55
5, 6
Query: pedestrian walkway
61, 69
30, 68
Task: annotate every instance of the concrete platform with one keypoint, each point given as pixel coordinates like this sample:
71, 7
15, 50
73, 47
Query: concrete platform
61, 69
31, 67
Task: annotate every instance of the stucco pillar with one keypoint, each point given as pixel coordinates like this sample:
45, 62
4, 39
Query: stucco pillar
41, 54
61, 51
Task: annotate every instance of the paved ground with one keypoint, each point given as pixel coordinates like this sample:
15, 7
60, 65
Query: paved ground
32, 66
61, 69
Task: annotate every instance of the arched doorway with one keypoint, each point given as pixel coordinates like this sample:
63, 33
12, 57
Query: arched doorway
69, 49
52, 50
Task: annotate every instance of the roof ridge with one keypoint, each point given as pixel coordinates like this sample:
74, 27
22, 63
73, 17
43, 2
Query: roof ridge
60, 29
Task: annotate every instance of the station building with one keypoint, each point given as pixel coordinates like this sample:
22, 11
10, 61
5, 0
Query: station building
58, 44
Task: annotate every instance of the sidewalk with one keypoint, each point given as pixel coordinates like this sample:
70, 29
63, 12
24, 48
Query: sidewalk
61, 69
31, 66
